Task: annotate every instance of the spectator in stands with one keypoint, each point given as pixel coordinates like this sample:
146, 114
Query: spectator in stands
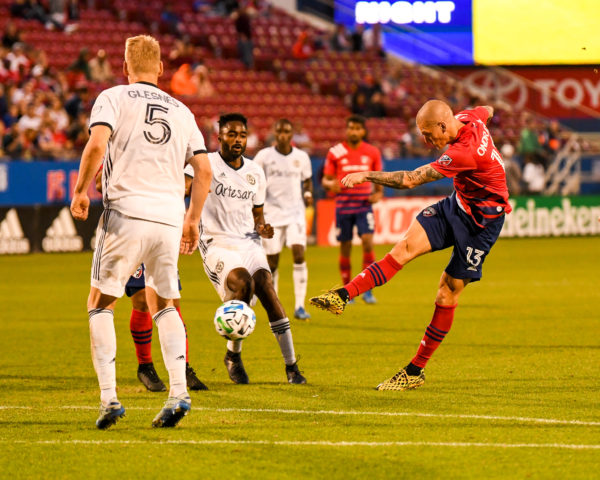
302, 48
375, 107
339, 41
79, 70
552, 139
18, 61
512, 169
373, 41
529, 145
22, 145
534, 175
100, 69
29, 120
182, 52
78, 101
204, 87
358, 104
11, 117
243, 27
58, 114
182, 82
78, 132
11, 35
301, 139
170, 22
33, 10
356, 39
73, 10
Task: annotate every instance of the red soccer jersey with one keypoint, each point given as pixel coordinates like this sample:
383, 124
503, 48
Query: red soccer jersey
342, 160
477, 167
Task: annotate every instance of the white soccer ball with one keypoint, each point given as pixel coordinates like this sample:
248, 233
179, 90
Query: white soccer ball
235, 320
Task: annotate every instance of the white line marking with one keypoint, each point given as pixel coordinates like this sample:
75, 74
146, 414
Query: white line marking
309, 443
554, 421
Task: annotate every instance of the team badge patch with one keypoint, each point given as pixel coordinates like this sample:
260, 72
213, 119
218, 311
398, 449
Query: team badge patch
444, 160
429, 212
219, 266
139, 272
297, 163
251, 179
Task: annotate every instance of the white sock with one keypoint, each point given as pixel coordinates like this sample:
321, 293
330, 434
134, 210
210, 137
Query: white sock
300, 282
104, 350
234, 346
283, 334
172, 344
275, 275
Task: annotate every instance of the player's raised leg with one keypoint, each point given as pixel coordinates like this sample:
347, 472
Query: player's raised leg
280, 324
413, 244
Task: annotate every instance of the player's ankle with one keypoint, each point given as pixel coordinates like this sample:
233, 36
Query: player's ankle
413, 370
343, 293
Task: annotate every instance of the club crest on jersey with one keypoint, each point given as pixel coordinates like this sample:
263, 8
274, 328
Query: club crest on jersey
139, 272
219, 267
251, 179
444, 160
429, 212
297, 163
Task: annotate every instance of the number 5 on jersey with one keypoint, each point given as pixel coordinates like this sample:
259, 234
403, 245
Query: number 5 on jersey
151, 119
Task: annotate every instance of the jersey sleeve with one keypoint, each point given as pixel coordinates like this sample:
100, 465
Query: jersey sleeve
261, 194
196, 144
105, 111
330, 167
457, 159
189, 171
258, 159
306, 168
477, 113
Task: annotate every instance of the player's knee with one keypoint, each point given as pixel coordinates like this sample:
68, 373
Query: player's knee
240, 283
449, 290
400, 252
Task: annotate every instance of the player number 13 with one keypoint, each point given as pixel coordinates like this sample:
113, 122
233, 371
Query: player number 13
151, 119
474, 256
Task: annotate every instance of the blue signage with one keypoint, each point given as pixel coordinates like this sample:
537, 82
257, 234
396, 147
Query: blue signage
427, 32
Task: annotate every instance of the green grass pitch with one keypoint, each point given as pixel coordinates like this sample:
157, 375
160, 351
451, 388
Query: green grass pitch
513, 392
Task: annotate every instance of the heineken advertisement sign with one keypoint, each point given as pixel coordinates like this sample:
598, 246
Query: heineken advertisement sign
553, 217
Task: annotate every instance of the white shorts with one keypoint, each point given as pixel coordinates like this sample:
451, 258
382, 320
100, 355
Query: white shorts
122, 243
221, 259
285, 236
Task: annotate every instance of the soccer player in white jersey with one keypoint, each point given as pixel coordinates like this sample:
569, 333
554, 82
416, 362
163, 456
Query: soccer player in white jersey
145, 138
232, 226
289, 192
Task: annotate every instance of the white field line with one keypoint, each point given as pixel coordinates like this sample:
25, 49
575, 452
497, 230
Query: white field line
553, 421
307, 443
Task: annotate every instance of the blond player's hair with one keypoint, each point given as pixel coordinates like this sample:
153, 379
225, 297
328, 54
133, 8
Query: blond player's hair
142, 54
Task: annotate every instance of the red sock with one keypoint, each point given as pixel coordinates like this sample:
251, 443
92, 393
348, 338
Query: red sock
140, 325
374, 275
436, 331
368, 259
186, 340
345, 271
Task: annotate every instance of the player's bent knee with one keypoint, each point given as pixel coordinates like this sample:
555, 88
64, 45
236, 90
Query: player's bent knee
241, 284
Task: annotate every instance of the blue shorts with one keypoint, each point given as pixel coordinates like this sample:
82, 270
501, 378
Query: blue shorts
137, 282
446, 225
344, 222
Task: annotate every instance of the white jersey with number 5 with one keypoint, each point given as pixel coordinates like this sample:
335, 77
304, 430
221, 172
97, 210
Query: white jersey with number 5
227, 214
153, 135
284, 204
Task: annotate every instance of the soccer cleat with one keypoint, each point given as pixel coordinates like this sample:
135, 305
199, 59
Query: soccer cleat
174, 410
193, 382
235, 368
301, 314
110, 414
148, 376
369, 298
402, 381
294, 375
330, 301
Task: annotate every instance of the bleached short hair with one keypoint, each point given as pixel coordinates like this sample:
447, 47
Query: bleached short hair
142, 54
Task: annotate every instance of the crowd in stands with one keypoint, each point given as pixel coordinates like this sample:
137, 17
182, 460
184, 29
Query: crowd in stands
44, 112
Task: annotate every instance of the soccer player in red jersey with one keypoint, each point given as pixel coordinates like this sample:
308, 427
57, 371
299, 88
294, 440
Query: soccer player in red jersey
469, 220
353, 205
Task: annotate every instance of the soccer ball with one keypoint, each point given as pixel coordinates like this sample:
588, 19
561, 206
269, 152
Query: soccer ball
235, 320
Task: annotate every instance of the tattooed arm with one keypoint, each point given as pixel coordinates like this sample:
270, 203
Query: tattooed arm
400, 180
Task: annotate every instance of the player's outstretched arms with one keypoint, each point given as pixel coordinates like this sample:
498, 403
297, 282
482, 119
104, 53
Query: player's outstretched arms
404, 179
90, 163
